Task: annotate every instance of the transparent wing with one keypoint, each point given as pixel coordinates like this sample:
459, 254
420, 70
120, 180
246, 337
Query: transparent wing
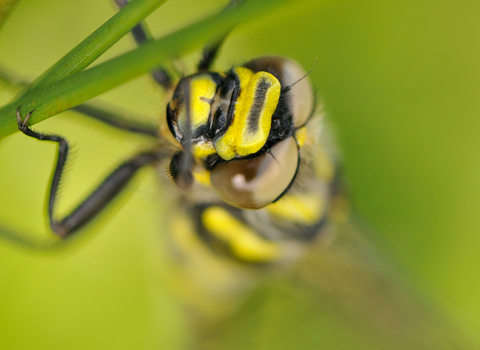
340, 295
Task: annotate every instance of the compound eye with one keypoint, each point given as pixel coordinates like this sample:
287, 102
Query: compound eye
183, 177
301, 94
257, 182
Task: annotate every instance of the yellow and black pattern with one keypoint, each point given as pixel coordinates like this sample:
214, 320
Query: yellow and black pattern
255, 145
254, 108
238, 124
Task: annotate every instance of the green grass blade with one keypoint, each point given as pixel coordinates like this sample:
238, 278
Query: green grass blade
6, 8
98, 42
83, 86
109, 114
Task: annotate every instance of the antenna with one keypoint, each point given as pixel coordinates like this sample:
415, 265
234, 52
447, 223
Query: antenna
287, 88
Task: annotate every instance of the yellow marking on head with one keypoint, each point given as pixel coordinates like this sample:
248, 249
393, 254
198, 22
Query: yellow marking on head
244, 75
256, 103
301, 136
203, 89
203, 149
306, 209
225, 144
244, 243
202, 177
251, 140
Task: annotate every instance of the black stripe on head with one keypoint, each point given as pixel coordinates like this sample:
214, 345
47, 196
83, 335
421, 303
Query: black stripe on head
233, 101
223, 117
257, 105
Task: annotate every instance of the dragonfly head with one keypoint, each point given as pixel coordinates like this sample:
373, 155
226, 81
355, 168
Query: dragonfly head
240, 126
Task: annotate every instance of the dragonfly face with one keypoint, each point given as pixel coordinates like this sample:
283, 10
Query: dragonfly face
249, 140
243, 127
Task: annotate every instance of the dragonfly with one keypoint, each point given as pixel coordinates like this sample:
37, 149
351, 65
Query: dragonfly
257, 183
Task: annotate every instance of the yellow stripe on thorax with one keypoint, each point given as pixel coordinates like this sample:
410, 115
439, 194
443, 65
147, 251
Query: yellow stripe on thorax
244, 243
306, 209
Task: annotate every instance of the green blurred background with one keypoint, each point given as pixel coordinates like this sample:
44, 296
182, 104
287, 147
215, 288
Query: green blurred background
400, 84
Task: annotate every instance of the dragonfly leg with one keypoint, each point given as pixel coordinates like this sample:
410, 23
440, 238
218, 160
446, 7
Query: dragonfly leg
116, 119
141, 34
210, 53
211, 49
100, 197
